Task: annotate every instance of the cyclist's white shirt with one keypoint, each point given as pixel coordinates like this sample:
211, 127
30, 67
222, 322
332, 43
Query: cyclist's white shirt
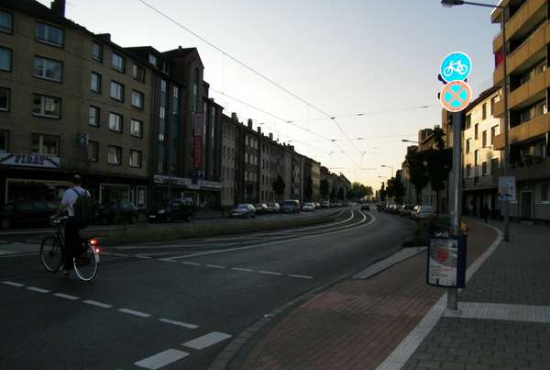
70, 197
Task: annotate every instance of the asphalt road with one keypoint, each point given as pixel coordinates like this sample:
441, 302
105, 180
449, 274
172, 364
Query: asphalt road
176, 306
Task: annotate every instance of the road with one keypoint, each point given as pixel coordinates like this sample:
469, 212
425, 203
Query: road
178, 305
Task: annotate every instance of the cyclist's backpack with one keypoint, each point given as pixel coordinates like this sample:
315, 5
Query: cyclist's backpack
83, 209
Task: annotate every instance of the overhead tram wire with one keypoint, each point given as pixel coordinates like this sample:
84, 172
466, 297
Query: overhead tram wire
247, 67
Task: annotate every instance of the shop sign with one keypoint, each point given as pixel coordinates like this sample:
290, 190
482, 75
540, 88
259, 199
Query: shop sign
29, 160
447, 262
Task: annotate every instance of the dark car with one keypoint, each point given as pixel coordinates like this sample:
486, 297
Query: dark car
273, 207
175, 210
26, 213
261, 208
243, 211
291, 206
117, 212
365, 207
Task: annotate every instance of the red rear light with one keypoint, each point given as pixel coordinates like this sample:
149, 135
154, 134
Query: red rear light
98, 250
94, 242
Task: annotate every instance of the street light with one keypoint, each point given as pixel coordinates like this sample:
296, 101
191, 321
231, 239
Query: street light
409, 141
390, 167
450, 3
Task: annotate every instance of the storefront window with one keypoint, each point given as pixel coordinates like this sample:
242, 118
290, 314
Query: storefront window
45, 144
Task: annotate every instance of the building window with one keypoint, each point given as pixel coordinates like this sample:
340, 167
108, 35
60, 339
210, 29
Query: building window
137, 99
176, 109
115, 122
95, 82
50, 35
476, 157
6, 22
494, 165
138, 73
136, 128
117, 91
484, 168
114, 155
4, 99
5, 59
153, 59
93, 151
93, 116
484, 138
48, 69
45, 144
3, 141
484, 111
46, 106
118, 62
545, 190
476, 131
97, 52
163, 86
135, 158
493, 134
494, 101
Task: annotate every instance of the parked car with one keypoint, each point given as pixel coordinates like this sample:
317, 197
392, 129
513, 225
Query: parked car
317, 205
365, 207
117, 212
325, 204
261, 208
291, 206
175, 210
26, 213
273, 207
244, 210
423, 212
406, 210
308, 207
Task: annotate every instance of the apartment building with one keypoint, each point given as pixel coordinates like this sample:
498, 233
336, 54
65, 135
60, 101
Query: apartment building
71, 102
230, 162
479, 161
528, 76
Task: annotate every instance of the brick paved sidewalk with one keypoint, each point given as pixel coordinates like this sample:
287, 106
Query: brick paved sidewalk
358, 323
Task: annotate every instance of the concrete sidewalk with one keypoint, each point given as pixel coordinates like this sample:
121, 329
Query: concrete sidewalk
395, 321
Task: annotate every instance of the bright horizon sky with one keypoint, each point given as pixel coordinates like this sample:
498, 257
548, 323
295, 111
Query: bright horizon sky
343, 57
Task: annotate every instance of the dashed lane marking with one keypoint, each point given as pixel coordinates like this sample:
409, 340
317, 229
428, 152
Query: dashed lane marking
216, 266
270, 273
133, 312
97, 304
240, 269
11, 283
66, 296
207, 340
38, 290
142, 256
120, 255
179, 323
190, 263
300, 276
166, 260
162, 359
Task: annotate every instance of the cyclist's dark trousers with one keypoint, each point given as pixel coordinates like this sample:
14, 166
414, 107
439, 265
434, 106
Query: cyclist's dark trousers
72, 243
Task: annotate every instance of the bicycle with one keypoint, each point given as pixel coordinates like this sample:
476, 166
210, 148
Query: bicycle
85, 263
455, 66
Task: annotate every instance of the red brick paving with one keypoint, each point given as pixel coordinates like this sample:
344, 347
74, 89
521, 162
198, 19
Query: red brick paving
357, 323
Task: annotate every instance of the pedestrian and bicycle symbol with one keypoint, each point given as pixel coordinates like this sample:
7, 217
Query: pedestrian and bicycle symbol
456, 96
456, 67
454, 70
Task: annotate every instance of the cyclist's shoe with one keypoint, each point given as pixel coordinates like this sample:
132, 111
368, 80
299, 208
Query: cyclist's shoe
64, 271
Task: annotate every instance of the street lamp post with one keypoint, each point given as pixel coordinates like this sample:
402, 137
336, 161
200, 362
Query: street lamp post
391, 169
450, 3
409, 141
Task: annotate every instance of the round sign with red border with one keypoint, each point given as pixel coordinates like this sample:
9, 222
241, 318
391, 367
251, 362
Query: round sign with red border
455, 96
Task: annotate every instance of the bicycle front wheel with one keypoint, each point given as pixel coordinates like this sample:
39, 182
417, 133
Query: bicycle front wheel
86, 263
50, 253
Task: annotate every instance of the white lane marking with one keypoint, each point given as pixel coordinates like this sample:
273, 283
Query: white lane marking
216, 266
142, 256
107, 253
207, 340
97, 304
38, 290
270, 273
162, 359
132, 312
120, 254
11, 283
240, 269
300, 276
66, 296
190, 263
179, 323
498, 311
166, 260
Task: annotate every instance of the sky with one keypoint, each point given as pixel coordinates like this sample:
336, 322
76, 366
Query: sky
378, 58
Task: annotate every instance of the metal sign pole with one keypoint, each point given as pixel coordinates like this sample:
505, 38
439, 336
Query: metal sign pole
452, 294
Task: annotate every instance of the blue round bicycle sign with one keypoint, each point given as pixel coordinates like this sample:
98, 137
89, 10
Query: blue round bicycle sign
456, 67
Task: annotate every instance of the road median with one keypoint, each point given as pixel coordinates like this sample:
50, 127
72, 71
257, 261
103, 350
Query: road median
152, 233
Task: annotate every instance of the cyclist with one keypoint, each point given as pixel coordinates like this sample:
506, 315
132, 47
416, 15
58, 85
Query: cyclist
72, 230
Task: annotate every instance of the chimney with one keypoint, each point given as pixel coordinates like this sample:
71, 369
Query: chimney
259, 129
234, 116
250, 123
58, 7
105, 36
271, 136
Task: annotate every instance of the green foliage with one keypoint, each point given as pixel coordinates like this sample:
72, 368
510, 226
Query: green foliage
279, 186
396, 189
417, 170
308, 191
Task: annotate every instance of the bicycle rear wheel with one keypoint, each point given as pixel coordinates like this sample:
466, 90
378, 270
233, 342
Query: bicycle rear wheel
86, 263
50, 253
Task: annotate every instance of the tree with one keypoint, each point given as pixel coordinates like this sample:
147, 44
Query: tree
308, 191
396, 189
324, 189
382, 193
279, 187
417, 170
349, 194
439, 161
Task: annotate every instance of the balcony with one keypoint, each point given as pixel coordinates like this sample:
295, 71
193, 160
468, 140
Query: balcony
536, 168
533, 49
530, 92
537, 126
479, 183
529, 14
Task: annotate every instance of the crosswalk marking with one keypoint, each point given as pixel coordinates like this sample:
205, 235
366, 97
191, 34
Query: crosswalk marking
162, 359
207, 340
